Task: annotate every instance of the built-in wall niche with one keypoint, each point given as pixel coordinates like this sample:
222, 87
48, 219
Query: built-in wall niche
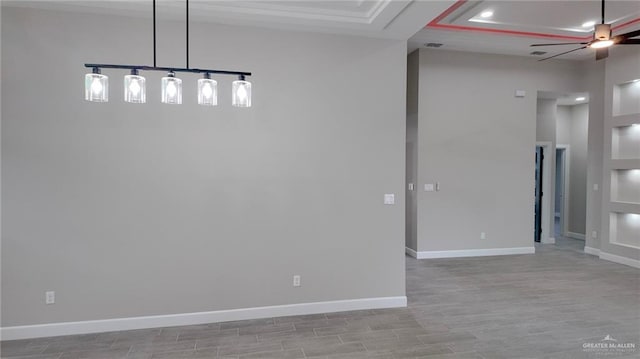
625, 142
624, 229
625, 186
626, 98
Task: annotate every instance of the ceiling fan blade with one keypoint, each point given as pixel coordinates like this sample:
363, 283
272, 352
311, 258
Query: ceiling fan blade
564, 43
602, 53
563, 53
629, 42
630, 34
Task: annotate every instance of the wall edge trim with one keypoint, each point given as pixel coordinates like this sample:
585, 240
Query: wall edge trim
144, 322
619, 259
475, 252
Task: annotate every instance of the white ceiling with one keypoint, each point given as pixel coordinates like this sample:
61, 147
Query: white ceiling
461, 29
535, 21
397, 19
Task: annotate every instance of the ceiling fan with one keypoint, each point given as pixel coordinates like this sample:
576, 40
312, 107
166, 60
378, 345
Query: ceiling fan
602, 40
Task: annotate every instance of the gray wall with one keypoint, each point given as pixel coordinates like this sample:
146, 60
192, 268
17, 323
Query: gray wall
546, 114
593, 80
563, 125
578, 187
131, 210
411, 210
572, 130
471, 128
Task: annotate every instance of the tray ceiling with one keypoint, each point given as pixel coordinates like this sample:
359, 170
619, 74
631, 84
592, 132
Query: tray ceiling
514, 25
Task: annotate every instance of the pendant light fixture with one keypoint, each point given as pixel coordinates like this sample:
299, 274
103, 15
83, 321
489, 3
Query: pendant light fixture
171, 89
97, 84
135, 90
241, 96
207, 91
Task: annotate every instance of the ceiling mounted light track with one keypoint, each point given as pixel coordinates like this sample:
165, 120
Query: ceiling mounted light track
96, 87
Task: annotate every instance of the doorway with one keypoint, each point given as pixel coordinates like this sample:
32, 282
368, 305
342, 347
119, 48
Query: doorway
560, 194
537, 234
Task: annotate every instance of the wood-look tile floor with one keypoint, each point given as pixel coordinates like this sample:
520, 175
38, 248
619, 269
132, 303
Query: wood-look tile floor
545, 305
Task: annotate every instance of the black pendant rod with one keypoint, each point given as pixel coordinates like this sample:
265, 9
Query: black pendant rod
174, 69
602, 12
154, 33
187, 32
96, 67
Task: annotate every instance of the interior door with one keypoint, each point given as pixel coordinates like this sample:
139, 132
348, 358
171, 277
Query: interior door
538, 194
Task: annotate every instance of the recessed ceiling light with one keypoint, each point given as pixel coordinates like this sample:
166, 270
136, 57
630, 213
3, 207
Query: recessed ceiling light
486, 14
580, 98
589, 24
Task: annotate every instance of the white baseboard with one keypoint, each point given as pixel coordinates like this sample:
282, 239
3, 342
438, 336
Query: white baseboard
411, 252
473, 252
619, 259
549, 240
109, 325
592, 251
575, 235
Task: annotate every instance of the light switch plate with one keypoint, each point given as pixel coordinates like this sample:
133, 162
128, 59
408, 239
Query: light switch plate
50, 297
429, 187
410, 186
389, 198
595, 186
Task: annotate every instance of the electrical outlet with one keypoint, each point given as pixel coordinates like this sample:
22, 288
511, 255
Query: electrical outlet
50, 297
483, 235
296, 280
389, 198
594, 234
595, 186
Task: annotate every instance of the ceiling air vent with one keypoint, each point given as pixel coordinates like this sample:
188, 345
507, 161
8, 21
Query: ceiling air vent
538, 53
432, 44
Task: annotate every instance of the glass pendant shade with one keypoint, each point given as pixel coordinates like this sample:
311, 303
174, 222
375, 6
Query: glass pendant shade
207, 91
171, 89
241, 96
96, 87
135, 90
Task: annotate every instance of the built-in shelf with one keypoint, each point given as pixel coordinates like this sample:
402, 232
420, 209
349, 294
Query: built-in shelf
625, 142
626, 164
625, 98
621, 189
624, 207
624, 229
625, 120
625, 186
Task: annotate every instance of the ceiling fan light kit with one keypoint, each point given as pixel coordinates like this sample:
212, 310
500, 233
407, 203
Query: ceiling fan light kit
97, 84
602, 40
